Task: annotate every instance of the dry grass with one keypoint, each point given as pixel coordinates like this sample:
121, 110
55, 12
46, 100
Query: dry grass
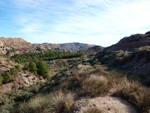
137, 94
34, 105
95, 86
61, 102
95, 82
102, 82
56, 102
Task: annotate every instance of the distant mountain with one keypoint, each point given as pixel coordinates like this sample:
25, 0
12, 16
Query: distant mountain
13, 46
132, 42
68, 46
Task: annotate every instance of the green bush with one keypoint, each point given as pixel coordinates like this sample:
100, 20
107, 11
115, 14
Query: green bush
13, 71
32, 67
86, 63
26, 66
7, 77
18, 67
24, 96
42, 69
1, 79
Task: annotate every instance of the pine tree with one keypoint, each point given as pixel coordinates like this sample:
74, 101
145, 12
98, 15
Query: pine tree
1, 79
32, 67
7, 77
18, 67
42, 69
26, 66
13, 71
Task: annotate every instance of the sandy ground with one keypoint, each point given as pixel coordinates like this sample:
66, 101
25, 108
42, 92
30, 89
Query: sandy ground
106, 104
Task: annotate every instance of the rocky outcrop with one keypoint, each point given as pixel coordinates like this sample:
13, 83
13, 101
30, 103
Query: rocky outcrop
6, 87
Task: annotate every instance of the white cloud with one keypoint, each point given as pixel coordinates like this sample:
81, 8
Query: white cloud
101, 22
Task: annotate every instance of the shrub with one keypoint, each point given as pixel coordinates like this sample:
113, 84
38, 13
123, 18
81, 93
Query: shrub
95, 86
18, 67
35, 105
13, 71
56, 102
7, 77
137, 94
6, 109
42, 69
61, 102
26, 66
24, 96
32, 67
1, 79
86, 63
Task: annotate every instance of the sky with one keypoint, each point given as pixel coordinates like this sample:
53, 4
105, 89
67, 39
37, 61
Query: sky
100, 22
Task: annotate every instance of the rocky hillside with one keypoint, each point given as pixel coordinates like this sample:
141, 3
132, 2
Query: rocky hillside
132, 42
131, 54
18, 78
13, 46
66, 46
91, 51
15, 42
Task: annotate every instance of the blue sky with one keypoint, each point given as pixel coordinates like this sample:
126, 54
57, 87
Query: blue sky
101, 22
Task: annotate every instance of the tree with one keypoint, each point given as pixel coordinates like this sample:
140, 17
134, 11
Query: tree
26, 66
7, 77
32, 67
42, 69
18, 67
1, 79
13, 71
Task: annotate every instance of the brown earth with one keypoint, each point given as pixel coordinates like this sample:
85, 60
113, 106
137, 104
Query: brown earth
6, 64
15, 42
106, 104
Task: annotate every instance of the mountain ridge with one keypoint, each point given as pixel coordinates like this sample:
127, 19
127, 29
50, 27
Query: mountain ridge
21, 43
131, 42
73, 46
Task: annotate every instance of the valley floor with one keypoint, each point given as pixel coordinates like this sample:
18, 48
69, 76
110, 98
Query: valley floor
85, 89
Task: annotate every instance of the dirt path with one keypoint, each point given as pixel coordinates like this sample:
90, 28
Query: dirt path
105, 105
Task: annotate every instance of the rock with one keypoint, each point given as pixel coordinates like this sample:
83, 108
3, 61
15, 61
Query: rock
6, 87
25, 80
23, 75
1, 44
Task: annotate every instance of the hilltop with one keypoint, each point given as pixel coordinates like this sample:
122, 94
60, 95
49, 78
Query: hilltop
15, 42
132, 42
